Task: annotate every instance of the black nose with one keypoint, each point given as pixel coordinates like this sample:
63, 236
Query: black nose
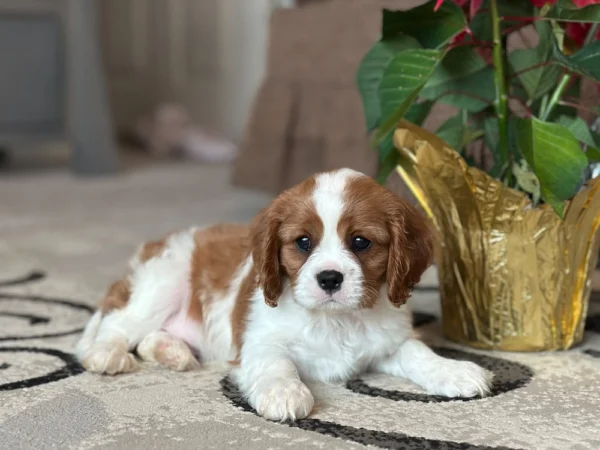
330, 280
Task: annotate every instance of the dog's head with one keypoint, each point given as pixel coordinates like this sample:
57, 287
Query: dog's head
338, 237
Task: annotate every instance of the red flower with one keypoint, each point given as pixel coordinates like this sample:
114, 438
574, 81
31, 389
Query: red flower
460, 37
475, 5
584, 3
579, 31
542, 3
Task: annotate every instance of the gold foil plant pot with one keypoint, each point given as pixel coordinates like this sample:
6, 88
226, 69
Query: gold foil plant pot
512, 276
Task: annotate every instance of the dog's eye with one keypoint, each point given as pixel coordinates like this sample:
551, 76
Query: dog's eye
303, 243
360, 244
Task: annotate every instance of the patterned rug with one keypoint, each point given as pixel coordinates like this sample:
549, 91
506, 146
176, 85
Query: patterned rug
63, 239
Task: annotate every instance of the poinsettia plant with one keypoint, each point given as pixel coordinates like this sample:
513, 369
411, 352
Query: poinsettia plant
521, 106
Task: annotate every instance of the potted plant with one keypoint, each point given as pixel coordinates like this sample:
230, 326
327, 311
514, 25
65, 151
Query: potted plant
519, 227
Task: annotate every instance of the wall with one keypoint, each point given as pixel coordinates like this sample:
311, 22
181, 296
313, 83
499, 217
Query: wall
206, 54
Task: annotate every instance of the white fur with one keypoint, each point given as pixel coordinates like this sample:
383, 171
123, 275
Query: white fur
213, 338
308, 336
217, 342
159, 288
330, 253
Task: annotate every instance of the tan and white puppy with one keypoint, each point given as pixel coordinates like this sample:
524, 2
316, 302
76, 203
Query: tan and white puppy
312, 290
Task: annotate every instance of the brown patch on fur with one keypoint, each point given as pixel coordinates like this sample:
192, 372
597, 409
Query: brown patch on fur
152, 249
274, 233
239, 315
219, 252
402, 240
116, 297
119, 292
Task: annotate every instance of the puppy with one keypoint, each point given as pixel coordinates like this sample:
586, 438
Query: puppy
312, 290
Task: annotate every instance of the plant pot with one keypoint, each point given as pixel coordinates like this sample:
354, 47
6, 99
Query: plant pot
512, 277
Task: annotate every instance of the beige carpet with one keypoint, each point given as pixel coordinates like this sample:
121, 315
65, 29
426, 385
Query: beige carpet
77, 233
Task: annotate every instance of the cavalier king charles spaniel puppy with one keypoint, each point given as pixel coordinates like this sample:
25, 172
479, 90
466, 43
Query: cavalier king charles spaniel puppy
312, 290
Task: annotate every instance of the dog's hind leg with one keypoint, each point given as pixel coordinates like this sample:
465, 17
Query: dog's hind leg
158, 288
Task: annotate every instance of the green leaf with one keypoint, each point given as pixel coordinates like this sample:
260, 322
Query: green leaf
387, 147
418, 112
433, 29
473, 92
573, 91
559, 34
453, 132
582, 133
593, 155
457, 134
540, 81
586, 61
388, 158
371, 72
402, 81
408, 72
472, 134
492, 136
458, 63
580, 129
555, 157
566, 11
461, 78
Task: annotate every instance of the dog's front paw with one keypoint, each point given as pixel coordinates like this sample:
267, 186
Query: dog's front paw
283, 399
460, 379
109, 360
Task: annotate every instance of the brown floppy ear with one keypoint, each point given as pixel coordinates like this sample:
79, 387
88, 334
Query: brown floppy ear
412, 247
265, 253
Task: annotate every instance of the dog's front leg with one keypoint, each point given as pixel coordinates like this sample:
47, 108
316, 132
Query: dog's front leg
270, 382
438, 375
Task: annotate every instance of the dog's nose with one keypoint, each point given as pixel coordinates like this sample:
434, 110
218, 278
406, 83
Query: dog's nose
330, 280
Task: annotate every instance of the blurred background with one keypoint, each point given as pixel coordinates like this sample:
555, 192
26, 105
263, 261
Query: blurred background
124, 120
73, 70
266, 87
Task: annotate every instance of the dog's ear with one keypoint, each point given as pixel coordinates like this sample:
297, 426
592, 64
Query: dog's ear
265, 253
412, 247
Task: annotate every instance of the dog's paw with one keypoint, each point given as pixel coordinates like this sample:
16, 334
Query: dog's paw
168, 351
109, 360
177, 355
283, 399
460, 379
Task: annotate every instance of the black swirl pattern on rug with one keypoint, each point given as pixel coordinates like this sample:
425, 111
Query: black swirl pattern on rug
364, 436
70, 368
34, 275
35, 319
592, 352
508, 376
70, 365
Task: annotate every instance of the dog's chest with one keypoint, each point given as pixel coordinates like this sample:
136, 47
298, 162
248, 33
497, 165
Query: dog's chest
339, 350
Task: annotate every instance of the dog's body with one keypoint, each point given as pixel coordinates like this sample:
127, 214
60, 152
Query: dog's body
311, 291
